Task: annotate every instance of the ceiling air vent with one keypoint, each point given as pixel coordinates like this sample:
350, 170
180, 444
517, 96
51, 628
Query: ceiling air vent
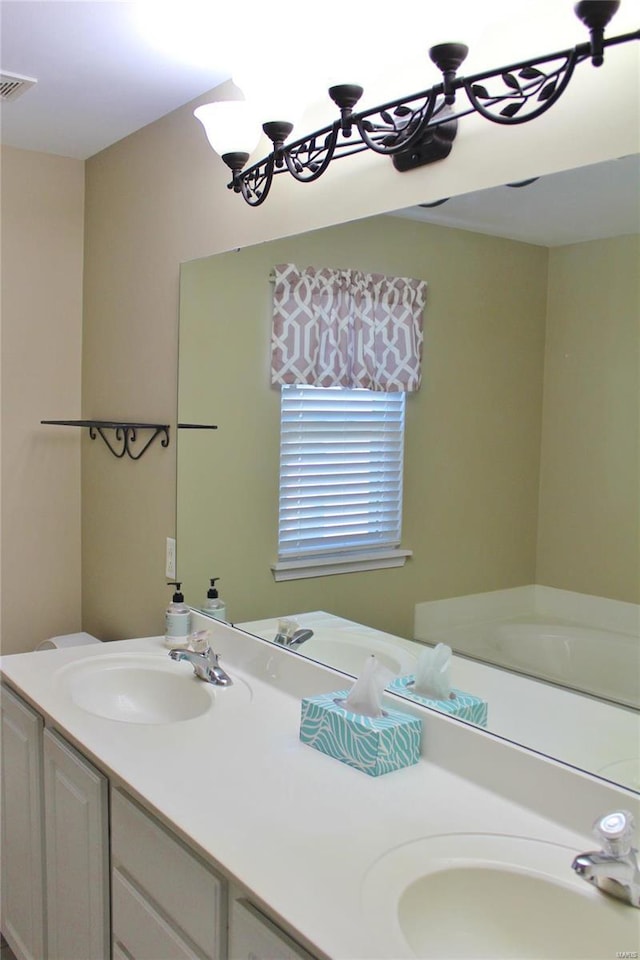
12, 85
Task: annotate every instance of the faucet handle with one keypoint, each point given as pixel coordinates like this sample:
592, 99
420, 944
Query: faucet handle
615, 832
200, 641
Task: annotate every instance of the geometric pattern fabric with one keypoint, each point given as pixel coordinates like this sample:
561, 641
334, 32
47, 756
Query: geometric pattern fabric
345, 328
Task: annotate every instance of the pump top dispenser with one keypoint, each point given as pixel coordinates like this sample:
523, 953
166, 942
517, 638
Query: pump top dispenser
177, 619
215, 605
178, 596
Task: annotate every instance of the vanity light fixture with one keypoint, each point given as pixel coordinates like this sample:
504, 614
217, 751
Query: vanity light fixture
414, 130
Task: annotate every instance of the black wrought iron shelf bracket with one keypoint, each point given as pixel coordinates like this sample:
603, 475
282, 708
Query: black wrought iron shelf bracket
125, 434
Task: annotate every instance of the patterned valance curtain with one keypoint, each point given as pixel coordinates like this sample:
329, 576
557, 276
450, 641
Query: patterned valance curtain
344, 328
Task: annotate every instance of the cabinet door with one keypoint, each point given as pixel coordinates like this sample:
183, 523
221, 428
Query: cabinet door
23, 900
77, 857
253, 936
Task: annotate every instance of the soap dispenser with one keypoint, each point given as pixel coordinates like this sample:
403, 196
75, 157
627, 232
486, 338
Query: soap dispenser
215, 606
177, 620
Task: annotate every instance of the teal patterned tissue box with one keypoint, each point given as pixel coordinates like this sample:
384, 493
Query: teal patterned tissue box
375, 745
460, 704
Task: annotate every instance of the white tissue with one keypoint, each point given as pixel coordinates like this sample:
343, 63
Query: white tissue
365, 696
433, 671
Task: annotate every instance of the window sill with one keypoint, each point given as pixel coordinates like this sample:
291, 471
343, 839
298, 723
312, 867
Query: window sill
343, 563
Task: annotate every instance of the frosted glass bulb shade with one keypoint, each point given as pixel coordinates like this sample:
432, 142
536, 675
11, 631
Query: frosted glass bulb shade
231, 126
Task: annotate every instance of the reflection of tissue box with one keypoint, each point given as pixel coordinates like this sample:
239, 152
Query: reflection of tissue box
463, 705
374, 745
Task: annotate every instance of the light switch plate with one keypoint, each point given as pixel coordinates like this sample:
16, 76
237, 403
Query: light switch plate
170, 559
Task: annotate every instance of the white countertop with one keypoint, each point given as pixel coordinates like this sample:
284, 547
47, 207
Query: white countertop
298, 829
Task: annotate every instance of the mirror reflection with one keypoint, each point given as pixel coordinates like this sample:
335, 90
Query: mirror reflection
520, 503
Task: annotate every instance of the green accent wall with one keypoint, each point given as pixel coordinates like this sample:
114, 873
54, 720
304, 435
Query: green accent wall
589, 531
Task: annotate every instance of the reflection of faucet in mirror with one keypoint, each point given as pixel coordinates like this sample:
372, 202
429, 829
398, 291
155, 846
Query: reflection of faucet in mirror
614, 869
300, 637
290, 634
205, 665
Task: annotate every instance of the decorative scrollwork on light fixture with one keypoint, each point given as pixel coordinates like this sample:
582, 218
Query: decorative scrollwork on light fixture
420, 128
536, 87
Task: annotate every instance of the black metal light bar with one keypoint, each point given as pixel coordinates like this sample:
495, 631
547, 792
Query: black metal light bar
421, 127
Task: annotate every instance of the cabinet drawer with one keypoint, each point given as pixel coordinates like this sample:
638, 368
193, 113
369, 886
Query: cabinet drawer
177, 883
140, 932
253, 936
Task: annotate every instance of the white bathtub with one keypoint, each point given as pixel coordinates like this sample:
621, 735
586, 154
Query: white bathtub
601, 662
587, 643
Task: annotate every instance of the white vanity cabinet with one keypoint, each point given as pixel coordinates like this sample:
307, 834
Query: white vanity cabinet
166, 902
76, 819
23, 893
88, 873
252, 936
55, 874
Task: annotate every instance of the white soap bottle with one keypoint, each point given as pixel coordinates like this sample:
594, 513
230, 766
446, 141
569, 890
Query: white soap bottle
177, 627
215, 605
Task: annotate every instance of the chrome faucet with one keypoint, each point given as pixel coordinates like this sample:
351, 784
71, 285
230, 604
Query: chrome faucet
614, 869
205, 665
296, 639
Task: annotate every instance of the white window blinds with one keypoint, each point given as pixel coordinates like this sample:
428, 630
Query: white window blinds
341, 458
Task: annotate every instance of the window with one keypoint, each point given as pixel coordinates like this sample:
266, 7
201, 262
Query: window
340, 504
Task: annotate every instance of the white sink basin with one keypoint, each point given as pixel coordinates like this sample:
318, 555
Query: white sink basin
343, 644
144, 688
348, 651
480, 896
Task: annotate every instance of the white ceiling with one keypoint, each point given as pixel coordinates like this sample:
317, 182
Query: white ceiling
105, 68
589, 203
100, 79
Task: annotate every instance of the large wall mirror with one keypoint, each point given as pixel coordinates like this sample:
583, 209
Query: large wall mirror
521, 476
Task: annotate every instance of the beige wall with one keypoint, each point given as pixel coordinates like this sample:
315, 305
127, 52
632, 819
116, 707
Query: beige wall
589, 535
41, 247
157, 199
472, 434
